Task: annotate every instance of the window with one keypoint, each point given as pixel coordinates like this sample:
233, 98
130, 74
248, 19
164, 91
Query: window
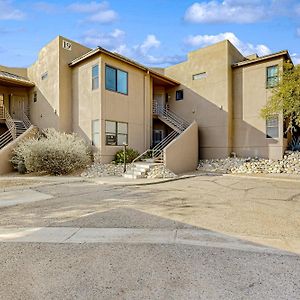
1, 99
35, 97
44, 76
199, 76
179, 95
95, 77
116, 80
95, 133
272, 76
116, 133
272, 127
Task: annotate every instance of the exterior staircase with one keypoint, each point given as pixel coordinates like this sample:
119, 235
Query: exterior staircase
154, 157
15, 127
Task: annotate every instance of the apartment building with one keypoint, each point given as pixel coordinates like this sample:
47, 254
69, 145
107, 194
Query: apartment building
205, 107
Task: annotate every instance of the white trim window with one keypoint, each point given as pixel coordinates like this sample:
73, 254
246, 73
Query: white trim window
96, 132
272, 127
95, 77
116, 133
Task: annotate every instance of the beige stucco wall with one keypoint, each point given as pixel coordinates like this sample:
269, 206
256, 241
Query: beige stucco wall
6, 152
250, 95
208, 100
181, 155
54, 94
134, 108
86, 102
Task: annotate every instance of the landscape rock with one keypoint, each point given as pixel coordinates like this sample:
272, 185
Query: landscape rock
290, 164
160, 172
103, 170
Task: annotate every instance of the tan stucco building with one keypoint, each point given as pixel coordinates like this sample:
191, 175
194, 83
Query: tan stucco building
205, 107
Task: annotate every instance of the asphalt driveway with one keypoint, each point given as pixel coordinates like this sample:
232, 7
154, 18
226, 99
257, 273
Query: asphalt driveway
199, 238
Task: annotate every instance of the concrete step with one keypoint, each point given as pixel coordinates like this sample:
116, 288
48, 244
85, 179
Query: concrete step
131, 176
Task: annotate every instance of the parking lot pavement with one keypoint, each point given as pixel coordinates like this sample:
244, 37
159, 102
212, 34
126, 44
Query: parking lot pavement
201, 238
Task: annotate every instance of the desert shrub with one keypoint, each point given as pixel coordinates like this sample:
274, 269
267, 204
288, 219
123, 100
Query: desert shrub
54, 153
131, 154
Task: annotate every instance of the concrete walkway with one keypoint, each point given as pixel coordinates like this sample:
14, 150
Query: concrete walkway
10, 198
192, 237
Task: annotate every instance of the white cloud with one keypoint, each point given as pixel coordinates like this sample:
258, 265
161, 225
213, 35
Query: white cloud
8, 12
143, 52
149, 43
245, 48
98, 11
46, 7
296, 58
227, 11
297, 9
93, 38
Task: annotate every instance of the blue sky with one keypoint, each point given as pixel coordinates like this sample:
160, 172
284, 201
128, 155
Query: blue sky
154, 32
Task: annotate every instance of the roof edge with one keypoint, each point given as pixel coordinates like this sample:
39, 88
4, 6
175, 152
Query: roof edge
122, 58
262, 58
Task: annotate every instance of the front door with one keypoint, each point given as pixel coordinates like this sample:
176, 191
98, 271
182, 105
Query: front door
158, 136
160, 99
18, 107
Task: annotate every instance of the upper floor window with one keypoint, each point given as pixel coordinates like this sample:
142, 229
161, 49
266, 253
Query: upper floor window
272, 127
95, 77
199, 76
116, 80
179, 95
44, 76
272, 76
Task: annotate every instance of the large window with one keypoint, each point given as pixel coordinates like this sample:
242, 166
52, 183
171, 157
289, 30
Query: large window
95, 133
116, 80
116, 133
272, 76
95, 77
272, 130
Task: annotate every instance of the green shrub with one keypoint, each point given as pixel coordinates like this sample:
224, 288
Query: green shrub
130, 156
54, 153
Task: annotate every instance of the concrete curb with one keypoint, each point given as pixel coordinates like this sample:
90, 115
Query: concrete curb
66, 180
77, 235
36, 185
136, 183
264, 177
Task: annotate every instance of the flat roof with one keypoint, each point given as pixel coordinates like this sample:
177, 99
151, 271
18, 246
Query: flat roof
15, 79
262, 58
124, 59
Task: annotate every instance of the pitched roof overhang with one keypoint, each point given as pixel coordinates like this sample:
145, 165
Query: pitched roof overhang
127, 60
283, 53
16, 80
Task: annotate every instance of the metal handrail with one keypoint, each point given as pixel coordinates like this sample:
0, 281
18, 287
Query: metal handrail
2, 112
10, 124
166, 140
11, 133
26, 120
177, 121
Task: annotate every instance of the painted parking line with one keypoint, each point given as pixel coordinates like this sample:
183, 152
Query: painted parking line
74, 235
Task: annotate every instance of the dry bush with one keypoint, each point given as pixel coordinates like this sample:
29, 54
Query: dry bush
53, 152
